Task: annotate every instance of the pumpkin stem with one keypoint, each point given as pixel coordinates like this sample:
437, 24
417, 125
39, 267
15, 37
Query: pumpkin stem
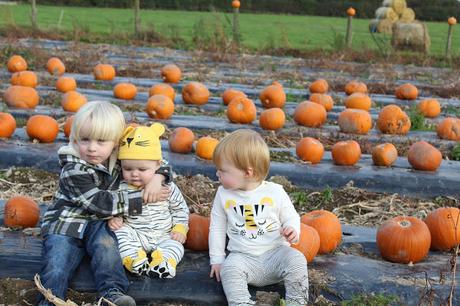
405, 223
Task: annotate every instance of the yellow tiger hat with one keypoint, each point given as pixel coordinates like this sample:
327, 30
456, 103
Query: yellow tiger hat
141, 142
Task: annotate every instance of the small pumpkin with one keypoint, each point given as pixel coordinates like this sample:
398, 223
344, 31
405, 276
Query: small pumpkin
21, 97
423, 156
195, 93
7, 125
449, 128
241, 110
43, 128
229, 94
328, 227
181, 140
163, 89
323, 99
355, 121
319, 86
403, 240
310, 114
309, 242
68, 126
346, 153
159, 107
355, 86
198, 233
393, 120
444, 226
384, 154
273, 96
205, 147
65, 84
359, 101
104, 72
272, 119
310, 150
72, 101
406, 92
125, 91
24, 78
452, 21
429, 108
171, 73
21, 212
351, 12
236, 4
55, 66
16, 63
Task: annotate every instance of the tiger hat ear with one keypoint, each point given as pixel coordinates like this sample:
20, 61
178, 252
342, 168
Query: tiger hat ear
158, 129
127, 131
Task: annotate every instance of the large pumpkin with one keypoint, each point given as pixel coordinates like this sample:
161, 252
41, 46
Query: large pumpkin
319, 86
181, 140
24, 78
429, 108
21, 97
355, 121
195, 93
163, 89
444, 226
393, 120
65, 84
273, 96
358, 100
406, 92
198, 233
16, 63
159, 107
310, 114
20, 212
403, 240
323, 99
43, 128
205, 147
346, 153
72, 101
104, 72
449, 128
272, 119
328, 227
423, 156
310, 150
241, 110
355, 86
229, 94
7, 125
55, 66
309, 242
384, 154
125, 91
171, 73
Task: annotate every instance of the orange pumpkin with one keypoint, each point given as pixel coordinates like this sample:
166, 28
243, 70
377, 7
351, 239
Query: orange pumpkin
104, 72
171, 73
241, 111
423, 156
319, 86
72, 101
230, 93
444, 226
205, 147
7, 125
24, 78
43, 128
159, 107
55, 66
449, 128
310, 150
163, 89
198, 233
323, 99
346, 153
17, 63
384, 154
309, 242
181, 140
20, 212
328, 227
452, 21
68, 126
406, 92
403, 240
195, 93
310, 114
393, 120
236, 4
21, 97
429, 108
355, 86
351, 12
272, 119
359, 101
125, 91
65, 84
355, 121
273, 96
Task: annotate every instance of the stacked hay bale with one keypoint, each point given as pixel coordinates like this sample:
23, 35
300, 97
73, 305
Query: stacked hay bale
388, 14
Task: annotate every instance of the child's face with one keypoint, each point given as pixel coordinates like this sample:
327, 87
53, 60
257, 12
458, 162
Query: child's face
95, 151
139, 172
231, 177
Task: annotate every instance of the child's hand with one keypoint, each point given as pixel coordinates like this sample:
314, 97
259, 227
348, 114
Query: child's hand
154, 191
215, 270
115, 223
179, 237
289, 233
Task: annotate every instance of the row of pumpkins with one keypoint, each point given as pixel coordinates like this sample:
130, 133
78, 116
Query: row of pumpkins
401, 239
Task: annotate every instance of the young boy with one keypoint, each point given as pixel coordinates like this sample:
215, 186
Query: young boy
75, 224
260, 222
161, 229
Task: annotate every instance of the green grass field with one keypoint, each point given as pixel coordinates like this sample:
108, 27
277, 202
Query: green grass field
258, 30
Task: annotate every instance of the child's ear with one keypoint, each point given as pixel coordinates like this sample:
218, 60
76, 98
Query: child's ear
249, 172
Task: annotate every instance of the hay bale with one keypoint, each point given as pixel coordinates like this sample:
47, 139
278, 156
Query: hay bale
381, 26
407, 16
399, 6
386, 13
410, 36
387, 3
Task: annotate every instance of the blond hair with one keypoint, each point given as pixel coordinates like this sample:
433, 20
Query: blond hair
101, 120
244, 149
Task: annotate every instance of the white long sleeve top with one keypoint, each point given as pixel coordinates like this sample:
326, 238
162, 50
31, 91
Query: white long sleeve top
251, 219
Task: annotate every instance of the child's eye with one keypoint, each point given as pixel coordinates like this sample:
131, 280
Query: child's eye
101, 140
84, 139
143, 169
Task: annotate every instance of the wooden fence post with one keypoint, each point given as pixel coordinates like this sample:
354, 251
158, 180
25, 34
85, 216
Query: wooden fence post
348, 38
451, 21
33, 14
236, 26
137, 18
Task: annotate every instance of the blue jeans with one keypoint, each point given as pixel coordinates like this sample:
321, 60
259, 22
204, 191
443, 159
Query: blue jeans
61, 256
